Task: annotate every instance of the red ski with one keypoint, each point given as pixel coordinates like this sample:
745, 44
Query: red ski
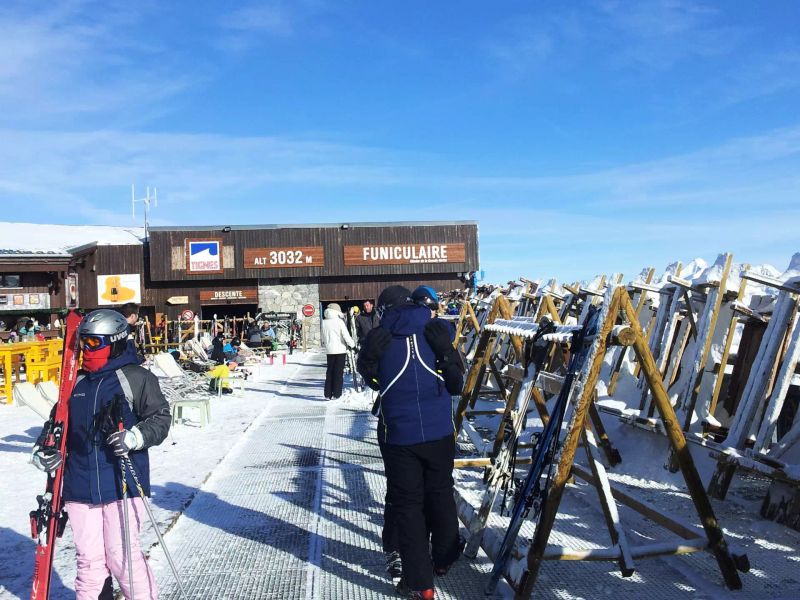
48, 521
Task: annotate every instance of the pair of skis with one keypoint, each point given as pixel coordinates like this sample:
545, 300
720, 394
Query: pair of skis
533, 494
49, 519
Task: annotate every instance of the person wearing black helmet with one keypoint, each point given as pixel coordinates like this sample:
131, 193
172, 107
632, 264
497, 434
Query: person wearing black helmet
401, 359
116, 409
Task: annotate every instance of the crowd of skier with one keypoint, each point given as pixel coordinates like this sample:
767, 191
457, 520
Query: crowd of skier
116, 411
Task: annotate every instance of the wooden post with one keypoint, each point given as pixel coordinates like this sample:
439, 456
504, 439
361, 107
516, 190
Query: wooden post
759, 381
717, 543
612, 454
709, 324
779, 391
570, 445
474, 378
623, 352
726, 352
610, 512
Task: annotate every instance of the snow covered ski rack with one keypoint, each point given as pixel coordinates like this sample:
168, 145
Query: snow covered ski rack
522, 569
754, 442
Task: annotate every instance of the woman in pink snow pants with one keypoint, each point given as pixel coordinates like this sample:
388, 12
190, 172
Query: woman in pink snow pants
116, 410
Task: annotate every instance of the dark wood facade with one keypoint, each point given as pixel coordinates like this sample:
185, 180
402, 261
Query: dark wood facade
41, 275
162, 263
168, 244
362, 288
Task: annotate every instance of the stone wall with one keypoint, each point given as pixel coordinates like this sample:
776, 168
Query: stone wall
291, 298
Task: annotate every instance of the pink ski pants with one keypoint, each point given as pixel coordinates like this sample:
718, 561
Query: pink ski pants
100, 549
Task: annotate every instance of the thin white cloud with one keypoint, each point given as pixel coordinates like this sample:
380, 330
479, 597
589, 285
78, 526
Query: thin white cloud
254, 22
76, 61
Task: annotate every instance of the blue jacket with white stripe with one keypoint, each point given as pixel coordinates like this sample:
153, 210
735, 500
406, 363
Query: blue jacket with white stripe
415, 406
92, 473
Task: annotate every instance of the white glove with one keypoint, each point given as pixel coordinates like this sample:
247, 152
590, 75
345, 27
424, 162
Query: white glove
46, 459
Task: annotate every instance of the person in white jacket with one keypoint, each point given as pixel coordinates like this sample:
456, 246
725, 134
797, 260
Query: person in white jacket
337, 341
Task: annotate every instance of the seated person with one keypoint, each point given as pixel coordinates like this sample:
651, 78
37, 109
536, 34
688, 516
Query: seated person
254, 336
219, 377
267, 336
231, 349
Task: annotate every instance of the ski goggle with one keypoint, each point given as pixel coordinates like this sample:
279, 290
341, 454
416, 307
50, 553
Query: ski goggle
93, 343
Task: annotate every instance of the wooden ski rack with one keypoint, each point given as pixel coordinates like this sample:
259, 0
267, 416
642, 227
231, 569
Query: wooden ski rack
579, 430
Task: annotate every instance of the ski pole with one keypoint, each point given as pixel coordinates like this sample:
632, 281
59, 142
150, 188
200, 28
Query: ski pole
125, 523
155, 525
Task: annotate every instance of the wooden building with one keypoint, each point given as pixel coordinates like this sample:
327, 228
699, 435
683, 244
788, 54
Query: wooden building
235, 270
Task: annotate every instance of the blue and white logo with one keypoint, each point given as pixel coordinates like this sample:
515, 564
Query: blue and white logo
204, 257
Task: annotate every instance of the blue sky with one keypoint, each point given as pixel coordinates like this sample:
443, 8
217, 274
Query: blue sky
584, 137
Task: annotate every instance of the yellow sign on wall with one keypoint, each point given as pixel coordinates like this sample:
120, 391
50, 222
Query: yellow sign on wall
118, 289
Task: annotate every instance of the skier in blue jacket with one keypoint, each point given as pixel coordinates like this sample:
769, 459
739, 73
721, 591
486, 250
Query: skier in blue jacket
111, 389
410, 359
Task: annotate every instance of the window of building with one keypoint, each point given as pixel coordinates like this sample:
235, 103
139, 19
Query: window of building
8, 280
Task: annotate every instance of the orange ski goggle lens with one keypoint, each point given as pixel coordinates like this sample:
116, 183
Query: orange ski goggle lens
94, 342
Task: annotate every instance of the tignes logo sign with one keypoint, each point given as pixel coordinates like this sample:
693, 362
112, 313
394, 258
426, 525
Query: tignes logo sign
204, 256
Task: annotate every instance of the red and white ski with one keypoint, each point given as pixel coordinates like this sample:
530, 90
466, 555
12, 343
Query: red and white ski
49, 519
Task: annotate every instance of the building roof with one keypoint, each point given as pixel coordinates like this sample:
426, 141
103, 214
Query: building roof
27, 240
343, 225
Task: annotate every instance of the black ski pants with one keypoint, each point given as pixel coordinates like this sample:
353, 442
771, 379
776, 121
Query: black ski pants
419, 483
390, 535
334, 376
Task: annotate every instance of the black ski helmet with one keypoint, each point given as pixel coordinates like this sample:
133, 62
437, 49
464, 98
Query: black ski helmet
392, 296
106, 325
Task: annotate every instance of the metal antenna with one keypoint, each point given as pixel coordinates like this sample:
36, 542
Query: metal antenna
146, 201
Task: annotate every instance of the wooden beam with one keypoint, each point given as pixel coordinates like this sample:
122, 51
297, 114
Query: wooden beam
575, 431
683, 456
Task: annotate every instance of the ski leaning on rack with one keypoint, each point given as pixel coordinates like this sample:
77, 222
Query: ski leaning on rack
533, 494
49, 519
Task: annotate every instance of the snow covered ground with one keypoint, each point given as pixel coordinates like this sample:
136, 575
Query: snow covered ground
281, 497
178, 468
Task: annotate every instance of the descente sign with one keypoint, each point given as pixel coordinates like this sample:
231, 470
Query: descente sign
404, 254
246, 295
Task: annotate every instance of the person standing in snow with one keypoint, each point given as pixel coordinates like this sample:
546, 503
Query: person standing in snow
218, 348
337, 341
411, 361
111, 389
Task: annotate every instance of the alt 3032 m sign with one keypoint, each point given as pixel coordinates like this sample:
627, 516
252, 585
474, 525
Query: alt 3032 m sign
279, 258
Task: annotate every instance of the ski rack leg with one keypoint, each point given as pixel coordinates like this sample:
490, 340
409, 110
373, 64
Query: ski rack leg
608, 504
612, 454
540, 404
511, 402
716, 540
474, 379
497, 472
575, 430
623, 352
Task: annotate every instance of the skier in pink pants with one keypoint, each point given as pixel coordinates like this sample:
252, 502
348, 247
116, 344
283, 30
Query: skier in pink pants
116, 410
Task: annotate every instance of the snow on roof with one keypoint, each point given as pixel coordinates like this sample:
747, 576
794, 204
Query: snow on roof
35, 238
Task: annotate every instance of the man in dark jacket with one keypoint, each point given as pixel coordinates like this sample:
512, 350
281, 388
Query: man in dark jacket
366, 321
410, 359
217, 349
